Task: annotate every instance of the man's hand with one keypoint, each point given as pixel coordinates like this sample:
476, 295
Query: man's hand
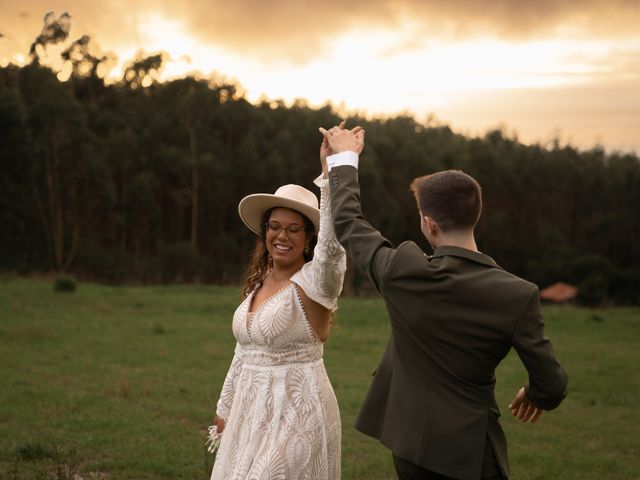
339, 140
522, 408
326, 150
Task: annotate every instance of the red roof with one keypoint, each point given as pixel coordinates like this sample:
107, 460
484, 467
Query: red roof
559, 292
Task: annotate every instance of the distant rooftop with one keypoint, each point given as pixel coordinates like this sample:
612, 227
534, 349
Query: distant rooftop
559, 292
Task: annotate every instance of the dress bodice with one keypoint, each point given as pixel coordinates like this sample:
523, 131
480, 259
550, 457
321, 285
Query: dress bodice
277, 332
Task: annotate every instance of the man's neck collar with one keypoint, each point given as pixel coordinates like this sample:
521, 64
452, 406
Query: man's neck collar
467, 242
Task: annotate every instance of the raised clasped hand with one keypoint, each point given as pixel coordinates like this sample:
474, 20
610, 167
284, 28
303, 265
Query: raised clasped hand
338, 139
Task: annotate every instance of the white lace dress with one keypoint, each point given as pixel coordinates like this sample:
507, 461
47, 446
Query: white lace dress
282, 418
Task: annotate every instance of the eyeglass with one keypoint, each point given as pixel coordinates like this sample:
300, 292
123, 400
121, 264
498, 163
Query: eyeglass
293, 231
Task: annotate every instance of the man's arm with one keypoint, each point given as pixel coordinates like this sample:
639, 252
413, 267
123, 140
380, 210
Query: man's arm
547, 385
368, 249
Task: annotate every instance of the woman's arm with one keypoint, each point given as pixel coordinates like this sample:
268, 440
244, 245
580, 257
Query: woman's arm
321, 279
223, 409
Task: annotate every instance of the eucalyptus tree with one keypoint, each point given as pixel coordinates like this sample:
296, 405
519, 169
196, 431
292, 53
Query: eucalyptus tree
54, 31
62, 143
21, 242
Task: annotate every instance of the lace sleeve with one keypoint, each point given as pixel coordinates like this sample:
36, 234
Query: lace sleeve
225, 402
322, 278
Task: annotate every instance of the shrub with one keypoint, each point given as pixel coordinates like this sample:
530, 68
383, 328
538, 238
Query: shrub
593, 290
64, 283
31, 451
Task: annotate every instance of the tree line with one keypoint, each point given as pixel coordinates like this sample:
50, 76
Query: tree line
138, 181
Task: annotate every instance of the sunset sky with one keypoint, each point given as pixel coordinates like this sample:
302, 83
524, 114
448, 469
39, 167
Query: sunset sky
551, 68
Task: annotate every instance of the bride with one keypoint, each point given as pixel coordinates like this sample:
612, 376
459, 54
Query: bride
277, 412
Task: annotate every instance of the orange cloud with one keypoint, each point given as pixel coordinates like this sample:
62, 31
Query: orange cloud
297, 30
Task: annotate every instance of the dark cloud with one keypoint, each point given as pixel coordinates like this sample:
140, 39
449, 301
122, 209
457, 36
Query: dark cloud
299, 29
279, 28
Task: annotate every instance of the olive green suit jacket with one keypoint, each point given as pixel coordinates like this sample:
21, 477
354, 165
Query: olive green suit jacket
454, 316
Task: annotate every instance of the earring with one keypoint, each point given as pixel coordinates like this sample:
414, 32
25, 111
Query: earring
306, 250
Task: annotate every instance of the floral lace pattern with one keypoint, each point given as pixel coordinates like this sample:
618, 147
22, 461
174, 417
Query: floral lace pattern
321, 279
282, 417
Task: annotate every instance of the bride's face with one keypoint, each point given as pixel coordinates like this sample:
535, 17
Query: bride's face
286, 237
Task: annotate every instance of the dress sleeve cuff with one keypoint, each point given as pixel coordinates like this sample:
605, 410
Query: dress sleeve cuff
321, 182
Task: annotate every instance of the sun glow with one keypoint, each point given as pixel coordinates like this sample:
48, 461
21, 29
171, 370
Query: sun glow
381, 71
365, 70
471, 83
185, 54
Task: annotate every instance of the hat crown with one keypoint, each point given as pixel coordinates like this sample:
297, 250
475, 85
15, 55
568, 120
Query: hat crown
298, 194
253, 207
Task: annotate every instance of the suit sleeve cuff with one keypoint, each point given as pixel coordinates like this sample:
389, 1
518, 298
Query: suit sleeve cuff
342, 158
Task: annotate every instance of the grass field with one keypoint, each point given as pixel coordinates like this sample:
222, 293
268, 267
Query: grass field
121, 383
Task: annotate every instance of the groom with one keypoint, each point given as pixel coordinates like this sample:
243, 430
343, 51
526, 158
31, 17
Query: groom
454, 316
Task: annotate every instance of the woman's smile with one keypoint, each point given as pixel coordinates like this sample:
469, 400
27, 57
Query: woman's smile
279, 247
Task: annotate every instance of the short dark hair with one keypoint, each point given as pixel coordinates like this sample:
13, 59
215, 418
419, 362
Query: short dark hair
451, 197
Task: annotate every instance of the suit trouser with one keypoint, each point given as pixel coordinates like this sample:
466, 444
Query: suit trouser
410, 471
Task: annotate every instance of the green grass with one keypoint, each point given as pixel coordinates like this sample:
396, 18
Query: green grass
121, 383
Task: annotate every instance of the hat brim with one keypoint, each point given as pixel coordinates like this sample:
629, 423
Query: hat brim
252, 207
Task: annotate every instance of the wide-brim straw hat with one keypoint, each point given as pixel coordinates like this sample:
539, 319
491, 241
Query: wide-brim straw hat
252, 207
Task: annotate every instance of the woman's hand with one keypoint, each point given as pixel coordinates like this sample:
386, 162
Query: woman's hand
219, 423
325, 151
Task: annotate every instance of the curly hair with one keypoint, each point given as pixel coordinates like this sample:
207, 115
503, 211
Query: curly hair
261, 263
